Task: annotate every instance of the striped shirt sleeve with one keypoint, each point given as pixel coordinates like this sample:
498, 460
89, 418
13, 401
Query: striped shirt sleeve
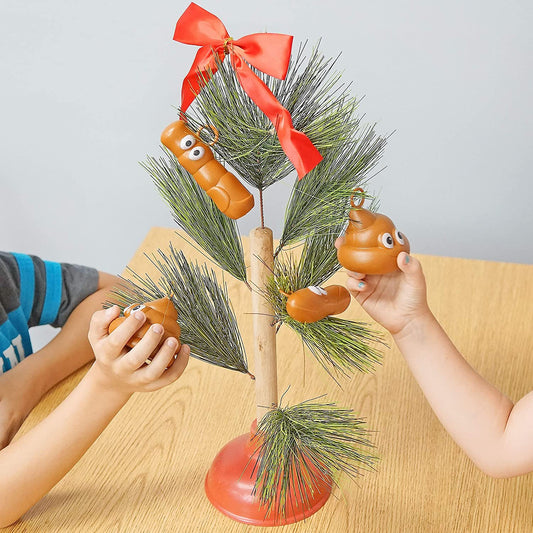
47, 291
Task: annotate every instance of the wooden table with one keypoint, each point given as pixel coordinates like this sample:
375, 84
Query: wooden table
146, 472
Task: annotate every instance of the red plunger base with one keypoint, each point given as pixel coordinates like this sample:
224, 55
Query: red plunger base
230, 481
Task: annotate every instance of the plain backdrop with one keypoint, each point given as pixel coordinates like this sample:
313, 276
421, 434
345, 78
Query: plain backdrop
87, 87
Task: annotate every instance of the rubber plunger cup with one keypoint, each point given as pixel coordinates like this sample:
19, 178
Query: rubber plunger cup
231, 479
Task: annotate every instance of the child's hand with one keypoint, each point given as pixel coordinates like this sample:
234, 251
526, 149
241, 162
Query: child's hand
119, 368
394, 300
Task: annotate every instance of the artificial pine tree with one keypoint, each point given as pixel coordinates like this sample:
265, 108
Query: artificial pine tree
299, 450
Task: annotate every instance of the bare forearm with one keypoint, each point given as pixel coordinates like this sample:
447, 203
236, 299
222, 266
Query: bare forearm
70, 349
473, 411
32, 465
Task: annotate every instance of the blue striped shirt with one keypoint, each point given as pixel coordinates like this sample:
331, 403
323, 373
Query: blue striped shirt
36, 292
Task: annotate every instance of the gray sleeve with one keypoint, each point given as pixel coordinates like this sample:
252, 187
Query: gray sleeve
78, 283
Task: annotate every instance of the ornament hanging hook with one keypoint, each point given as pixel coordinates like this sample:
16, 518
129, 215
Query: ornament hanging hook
361, 199
227, 44
213, 129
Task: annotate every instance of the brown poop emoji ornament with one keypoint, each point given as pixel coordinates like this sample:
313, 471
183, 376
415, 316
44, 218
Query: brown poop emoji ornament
315, 303
371, 242
160, 311
228, 193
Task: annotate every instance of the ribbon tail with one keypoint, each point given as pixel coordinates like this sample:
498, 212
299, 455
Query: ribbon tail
301, 152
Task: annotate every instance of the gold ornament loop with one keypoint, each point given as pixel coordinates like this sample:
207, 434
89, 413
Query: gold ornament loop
227, 41
362, 198
213, 129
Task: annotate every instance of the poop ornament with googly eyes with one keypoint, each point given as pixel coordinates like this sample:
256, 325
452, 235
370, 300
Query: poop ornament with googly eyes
229, 194
315, 303
371, 242
160, 311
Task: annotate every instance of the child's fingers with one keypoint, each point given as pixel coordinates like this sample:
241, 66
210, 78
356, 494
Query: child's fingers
412, 269
174, 372
339, 241
137, 356
100, 321
408, 264
356, 285
160, 362
355, 275
117, 339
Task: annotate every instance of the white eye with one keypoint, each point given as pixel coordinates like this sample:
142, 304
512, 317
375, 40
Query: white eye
187, 142
134, 307
387, 241
399, 237
317, 290
196, 153
313, 289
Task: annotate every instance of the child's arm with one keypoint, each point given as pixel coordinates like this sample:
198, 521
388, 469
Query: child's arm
33, 464
495, 434
22, 387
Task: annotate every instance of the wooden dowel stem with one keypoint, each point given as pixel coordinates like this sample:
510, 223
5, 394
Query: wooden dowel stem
266, 377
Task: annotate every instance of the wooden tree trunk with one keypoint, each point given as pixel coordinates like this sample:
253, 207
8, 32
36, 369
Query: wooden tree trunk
265, 368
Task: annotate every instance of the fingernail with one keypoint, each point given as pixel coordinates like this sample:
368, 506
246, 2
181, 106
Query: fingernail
139, 315
158, 328
361, 284
407, 259
172, 342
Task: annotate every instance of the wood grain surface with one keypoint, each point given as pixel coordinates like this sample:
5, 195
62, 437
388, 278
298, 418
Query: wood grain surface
146, 472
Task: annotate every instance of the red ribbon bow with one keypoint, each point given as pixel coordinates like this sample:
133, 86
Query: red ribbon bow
268, 52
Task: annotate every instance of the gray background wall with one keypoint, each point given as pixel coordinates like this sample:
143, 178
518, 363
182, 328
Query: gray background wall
86, 88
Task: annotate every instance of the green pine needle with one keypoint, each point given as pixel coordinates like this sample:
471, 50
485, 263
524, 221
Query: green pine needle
194, 212
205, 315
340, 344
318, 261
304, 446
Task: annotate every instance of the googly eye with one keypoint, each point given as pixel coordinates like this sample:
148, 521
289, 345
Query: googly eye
399, 237
317, 290
133, 307
387, 241
187, 142
196, 153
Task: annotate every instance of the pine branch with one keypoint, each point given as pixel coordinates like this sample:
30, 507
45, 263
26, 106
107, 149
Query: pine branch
205, 315
339, 345
305, 446
322, 198
312, 93
194, 212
